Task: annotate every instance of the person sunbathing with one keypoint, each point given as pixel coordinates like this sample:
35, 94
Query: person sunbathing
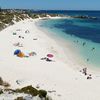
89, 77
43, 58
47, 59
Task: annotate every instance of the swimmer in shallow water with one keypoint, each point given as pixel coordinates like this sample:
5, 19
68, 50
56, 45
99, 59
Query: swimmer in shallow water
84, 43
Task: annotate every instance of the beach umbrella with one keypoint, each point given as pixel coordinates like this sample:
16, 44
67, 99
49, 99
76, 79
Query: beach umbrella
50, 55
16, 52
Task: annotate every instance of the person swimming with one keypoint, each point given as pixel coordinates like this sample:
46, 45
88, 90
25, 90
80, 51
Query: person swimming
93, 49
84, 43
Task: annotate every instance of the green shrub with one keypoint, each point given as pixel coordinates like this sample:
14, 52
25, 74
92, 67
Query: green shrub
1, 81
43, 15
1, 91
28, 90
33, 16
42, 93
6, 84
17, 19
19, 98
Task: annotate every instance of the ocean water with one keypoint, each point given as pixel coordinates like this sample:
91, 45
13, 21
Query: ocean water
83, 34
69, 12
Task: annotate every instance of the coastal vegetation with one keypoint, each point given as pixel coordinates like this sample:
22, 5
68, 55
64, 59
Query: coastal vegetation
9, 16
4, 83
28, 90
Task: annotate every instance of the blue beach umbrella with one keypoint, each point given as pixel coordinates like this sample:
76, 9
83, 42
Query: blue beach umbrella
17, 52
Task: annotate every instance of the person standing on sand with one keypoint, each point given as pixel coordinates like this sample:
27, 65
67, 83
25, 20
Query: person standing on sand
85, 71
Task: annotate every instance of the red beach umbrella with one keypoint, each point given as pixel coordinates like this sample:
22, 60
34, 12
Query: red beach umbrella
50, 55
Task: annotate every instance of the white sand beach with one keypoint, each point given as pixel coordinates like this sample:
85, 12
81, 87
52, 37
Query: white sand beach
65, 82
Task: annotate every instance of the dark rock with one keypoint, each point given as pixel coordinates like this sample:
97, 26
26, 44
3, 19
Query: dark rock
84, 17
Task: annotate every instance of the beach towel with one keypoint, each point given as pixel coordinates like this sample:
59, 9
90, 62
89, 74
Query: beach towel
21, 54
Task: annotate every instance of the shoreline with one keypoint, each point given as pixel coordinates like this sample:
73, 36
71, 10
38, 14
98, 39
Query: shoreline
58, 76
67, 49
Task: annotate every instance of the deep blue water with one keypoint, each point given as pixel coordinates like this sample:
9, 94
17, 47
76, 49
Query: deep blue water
70, 12
86, 29
79, 31
83, 28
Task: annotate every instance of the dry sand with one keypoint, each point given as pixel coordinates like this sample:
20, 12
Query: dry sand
57, 76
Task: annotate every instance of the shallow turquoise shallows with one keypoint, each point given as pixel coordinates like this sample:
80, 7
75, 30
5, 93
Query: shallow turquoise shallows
83, 34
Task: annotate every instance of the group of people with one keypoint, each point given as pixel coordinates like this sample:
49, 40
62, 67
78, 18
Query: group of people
84, 71
21, 54
47, 59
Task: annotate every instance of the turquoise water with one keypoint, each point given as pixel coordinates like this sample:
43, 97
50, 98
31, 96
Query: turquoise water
88, 48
